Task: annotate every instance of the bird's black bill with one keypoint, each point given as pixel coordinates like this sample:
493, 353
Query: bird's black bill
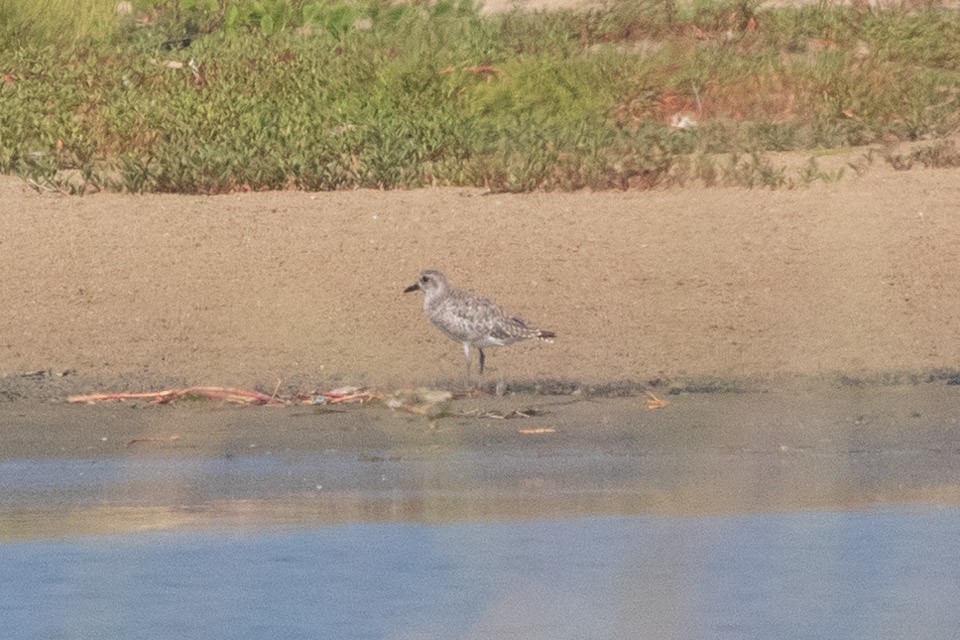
415, 286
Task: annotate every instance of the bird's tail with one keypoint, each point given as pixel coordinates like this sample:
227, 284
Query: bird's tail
546, 336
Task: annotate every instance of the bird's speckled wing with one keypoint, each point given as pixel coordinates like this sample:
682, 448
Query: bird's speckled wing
477, 321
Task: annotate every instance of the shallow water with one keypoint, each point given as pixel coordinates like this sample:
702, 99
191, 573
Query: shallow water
467, 545
875, 574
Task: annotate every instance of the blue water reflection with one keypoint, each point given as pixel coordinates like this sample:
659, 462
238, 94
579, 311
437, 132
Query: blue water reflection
874, 574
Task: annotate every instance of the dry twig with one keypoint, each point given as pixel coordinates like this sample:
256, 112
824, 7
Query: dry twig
227, 394
653, 402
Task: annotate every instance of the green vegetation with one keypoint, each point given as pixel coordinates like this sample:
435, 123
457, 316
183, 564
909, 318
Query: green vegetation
208, 96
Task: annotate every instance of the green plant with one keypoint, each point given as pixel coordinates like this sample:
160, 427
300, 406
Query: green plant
209, 96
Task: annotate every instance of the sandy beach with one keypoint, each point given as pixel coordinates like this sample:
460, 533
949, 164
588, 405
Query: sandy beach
805, 328
306, 288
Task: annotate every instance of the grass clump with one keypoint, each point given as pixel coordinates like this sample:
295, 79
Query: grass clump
46, 22
940, 155
207, 96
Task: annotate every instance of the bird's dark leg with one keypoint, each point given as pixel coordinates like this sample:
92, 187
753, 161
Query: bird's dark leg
481, 360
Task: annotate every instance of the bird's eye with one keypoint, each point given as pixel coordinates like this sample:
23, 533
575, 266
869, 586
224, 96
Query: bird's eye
424, 279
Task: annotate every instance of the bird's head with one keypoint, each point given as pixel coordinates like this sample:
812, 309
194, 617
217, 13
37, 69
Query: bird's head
429, 281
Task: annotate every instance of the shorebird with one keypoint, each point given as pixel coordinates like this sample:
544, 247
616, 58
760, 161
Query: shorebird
469, 319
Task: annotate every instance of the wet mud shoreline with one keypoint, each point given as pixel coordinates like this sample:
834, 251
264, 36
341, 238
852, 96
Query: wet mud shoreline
782, 446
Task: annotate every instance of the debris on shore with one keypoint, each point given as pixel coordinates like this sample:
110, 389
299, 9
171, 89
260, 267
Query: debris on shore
227, 394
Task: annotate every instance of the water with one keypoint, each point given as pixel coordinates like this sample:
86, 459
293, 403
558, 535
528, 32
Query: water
152, 548
876, 574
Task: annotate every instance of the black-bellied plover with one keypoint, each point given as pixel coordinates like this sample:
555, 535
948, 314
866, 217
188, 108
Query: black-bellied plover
470, 320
